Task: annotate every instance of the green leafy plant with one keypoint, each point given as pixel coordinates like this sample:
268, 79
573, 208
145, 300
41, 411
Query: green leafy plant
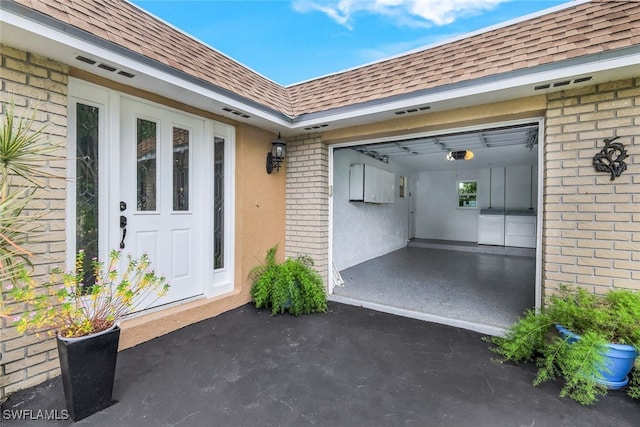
64, 306
292, 286
613, 317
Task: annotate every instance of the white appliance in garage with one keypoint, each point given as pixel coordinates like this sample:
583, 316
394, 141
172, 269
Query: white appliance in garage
520, 228
491, 227
514, 227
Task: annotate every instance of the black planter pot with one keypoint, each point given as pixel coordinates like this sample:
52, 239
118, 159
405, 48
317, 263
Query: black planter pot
88, 367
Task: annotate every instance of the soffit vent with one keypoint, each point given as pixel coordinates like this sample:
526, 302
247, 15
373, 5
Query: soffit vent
314, 127
86, 60
105, 67
412, 110
563, 83
236, 112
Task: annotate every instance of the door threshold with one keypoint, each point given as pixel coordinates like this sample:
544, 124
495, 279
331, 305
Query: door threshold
165, 306
463, 324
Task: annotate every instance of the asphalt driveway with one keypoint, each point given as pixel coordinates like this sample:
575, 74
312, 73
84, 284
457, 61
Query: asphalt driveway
348, 367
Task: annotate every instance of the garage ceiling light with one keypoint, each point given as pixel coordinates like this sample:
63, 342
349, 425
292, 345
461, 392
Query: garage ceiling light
460, 155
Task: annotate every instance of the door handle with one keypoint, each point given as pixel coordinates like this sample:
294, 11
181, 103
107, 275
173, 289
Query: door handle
123, 227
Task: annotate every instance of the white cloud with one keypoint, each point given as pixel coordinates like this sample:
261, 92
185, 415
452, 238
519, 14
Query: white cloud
404, 12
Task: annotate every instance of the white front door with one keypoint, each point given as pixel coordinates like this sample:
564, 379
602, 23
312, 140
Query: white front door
162, 170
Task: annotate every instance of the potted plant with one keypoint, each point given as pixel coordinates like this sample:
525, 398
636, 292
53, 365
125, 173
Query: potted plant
84, 318
292, 286
590, 340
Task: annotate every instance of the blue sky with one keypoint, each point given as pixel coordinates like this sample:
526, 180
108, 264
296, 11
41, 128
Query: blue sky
290, 41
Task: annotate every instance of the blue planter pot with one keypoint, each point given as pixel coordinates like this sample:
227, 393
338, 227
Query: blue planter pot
618, 359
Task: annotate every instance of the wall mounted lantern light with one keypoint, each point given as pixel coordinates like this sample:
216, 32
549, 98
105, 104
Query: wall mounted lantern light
460, 155
276, 156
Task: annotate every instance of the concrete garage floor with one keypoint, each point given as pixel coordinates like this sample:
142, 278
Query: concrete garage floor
348, 367
479, 288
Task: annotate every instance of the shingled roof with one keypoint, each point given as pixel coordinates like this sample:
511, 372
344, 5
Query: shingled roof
570, 33
128, 26
573, 32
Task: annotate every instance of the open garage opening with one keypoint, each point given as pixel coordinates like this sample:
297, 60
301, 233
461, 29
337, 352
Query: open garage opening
440, 226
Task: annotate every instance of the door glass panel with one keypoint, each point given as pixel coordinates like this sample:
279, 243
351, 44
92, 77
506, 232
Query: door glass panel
87, 186
218, 203
146, 165
180, 169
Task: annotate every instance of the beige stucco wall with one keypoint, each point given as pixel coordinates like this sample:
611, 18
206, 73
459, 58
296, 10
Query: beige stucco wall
259, 222
592, 224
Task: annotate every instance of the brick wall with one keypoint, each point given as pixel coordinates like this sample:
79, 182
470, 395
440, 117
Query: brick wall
307, 201
31, 81
592, 224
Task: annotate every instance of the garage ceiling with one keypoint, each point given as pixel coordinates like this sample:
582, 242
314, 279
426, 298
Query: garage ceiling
514, 145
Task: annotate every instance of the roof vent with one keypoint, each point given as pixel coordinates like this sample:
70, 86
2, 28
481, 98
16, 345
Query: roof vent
412, 110
86, 60
106, 67
563, 83
125, 74
324, 125
583, 79
236, 112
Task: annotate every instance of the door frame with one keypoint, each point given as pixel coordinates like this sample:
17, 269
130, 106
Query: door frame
215, 283
540, 193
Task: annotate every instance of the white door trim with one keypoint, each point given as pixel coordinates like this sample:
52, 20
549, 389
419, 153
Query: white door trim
109, 102
89, 94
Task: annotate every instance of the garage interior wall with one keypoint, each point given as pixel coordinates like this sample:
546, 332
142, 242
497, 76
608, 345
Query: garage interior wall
437, 214
362, 231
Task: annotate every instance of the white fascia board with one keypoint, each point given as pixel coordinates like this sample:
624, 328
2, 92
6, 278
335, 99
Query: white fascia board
498, 83
131, 64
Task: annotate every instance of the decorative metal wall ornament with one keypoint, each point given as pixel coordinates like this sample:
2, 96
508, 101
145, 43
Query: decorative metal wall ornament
611, 158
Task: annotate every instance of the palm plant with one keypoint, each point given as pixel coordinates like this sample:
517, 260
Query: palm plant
24, 152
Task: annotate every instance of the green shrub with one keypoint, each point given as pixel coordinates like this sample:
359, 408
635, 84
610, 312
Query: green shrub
292, 286
613, 317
